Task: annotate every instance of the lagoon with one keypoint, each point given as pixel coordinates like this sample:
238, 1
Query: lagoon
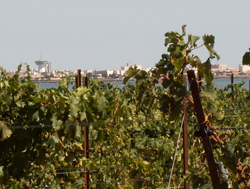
221, 83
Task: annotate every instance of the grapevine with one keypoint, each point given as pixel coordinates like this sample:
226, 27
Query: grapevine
133, 130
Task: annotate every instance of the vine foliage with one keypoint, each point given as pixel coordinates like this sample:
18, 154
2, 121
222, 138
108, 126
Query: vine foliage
133, 130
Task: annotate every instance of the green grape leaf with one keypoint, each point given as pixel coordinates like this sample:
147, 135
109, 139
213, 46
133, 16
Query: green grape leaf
6, 83
83, 116
19, 103
209, 40
1, 171
56, 122
38, 88
77, 131
171, 35
35, 116
36, 99
63, 84
209, 44
161, 63
181, 43
5, 131
206, 186
81, 91
178, 63
79, 145
230, 147
192, 39
101, 100
205, 71
219, 115
74, 106
129, 74
167, 41
246, 58
18, 95
194, 60
140, 76
55, 138
183, 30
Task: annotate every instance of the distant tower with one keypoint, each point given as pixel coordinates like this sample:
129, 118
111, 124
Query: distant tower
43, 65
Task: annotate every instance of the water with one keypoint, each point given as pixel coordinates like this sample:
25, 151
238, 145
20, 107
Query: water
221, 83
48, 85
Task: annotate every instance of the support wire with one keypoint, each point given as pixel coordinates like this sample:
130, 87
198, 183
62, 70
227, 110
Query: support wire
170, 177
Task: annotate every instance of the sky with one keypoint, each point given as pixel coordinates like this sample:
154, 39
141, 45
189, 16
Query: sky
84, 34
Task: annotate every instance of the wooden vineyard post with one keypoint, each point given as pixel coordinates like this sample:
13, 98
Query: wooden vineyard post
86, 141
78, 79
85, 81
76, 83
86, 128
185, 137
204, 131
232, 88
249, 90
249, 86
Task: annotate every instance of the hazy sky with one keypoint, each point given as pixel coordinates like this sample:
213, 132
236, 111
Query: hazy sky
84, 34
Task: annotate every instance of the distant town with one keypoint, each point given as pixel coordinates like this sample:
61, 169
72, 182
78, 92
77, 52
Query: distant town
44, 73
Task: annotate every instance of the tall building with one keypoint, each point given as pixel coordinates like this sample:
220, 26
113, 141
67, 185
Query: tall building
43, 65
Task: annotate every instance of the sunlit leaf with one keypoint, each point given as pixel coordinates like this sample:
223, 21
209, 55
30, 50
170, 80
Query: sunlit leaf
101, 102
55, 138
192, 40
1, 171
35, 116
206, 186
209, 43
36, 99
19, 103
5, 131
74, 106
129, 74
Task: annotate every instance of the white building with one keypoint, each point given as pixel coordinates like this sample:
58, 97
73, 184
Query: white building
110, 72
220, 67
87, 71
118, 72
244, 68
125, 68
99, 72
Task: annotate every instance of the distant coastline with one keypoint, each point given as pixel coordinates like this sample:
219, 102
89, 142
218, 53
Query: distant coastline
58, 81
35, 81
120, 79
237, 76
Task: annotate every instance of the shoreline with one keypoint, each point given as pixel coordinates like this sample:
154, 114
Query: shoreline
58, 81
109, 80
228, 77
